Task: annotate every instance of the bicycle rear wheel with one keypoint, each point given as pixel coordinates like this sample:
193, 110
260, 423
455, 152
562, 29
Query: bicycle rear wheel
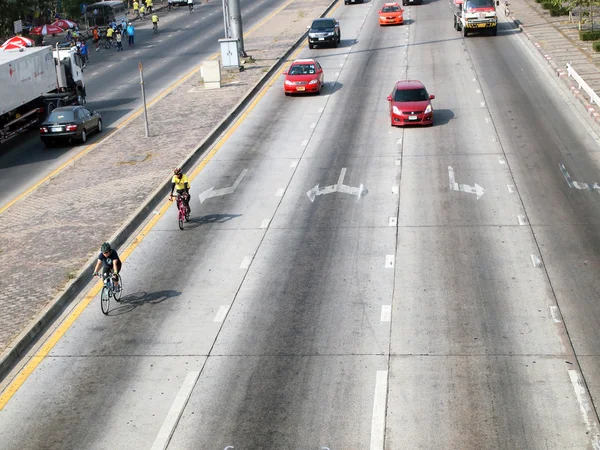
105, 300
180, 218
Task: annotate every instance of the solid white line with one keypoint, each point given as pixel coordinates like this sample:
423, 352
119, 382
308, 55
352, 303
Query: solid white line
522, 220
378, 421
168, 427
393, 221
280, 192
246, 262
294, 164
555, 314
585, 408
386, 313
536, 261
265, 223
221, 313
511, 188
389, 261
395, 190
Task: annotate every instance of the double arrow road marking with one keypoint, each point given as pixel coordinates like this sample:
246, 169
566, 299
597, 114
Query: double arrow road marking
454, 186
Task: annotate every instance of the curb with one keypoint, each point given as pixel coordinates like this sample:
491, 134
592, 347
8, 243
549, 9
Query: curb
19, 346
561, 73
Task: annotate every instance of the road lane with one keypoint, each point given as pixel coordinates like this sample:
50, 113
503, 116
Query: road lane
115, 92
476, 352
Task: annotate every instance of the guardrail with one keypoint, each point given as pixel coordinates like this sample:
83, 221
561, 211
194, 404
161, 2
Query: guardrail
583, 85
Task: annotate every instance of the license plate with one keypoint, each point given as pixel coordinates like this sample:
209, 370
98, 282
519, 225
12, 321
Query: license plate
412, 117
55, 129
481, 25
300, 88
321, 39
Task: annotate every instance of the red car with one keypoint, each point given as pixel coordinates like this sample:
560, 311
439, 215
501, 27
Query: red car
303, 76
410, 104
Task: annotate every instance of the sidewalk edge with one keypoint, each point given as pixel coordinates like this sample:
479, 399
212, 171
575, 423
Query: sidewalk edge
20, 345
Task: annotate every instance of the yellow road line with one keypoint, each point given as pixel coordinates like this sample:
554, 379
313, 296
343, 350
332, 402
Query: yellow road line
35, 361
133, 116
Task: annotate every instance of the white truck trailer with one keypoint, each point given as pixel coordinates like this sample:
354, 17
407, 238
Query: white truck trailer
34, 81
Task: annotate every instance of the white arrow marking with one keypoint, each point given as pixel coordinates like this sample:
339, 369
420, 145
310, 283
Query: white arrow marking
224, 191
339, 187
575, 184
454, 186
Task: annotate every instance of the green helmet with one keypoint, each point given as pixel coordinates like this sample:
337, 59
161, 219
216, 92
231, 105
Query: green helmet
105, 247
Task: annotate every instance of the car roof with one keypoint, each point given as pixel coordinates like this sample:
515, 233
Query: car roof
409, 84
304, 61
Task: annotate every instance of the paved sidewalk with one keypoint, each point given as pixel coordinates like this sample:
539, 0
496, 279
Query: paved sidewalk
47, 237
558, 41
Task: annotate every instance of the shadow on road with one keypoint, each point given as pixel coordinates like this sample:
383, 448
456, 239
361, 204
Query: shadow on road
442, 116
208, 219
133, 301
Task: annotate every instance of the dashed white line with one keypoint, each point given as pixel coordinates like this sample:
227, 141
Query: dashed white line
522, 220
395, 190
221, 314
392, 222
399, 141
536, 261
389, 261
386, 313
555, 314
397, 162
478, 91
585, 408
136, 52
320, 110
294, 163
511, 188
304, 143
109, 66
482, 104
95, 73
168, 427
265, 223
246, 262
501, 160
313, 125
280, 192
379, 403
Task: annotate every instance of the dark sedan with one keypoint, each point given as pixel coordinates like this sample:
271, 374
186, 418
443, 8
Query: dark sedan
69, 123
324, 32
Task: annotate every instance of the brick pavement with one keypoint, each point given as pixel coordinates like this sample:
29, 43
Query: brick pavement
557, 39
47, 238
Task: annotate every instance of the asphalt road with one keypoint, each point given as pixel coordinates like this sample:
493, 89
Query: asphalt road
413, 316
112, 81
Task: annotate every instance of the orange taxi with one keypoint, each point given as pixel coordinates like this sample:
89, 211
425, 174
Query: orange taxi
391, 14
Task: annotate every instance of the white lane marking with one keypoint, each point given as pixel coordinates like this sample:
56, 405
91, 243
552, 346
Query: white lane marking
397, 162
321, 110
511, 188
304, 143
488, 120
280, 192
136, 52
389, 261
95, 73
221, 313
395, 190
294, 163
109, 66
337, 74
386, 313
160, 40
522, 219
478, 91
196, 21
474, 79
313, 125
501, 160
168, 427
494, 139
246, 262
170, 35
585, 408
482, 104
554, 314
399, 141
536, 261
341, 64
379, 403
265, 223
392, 222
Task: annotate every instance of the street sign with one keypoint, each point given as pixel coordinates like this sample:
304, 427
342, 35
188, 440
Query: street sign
339, 187
18, 24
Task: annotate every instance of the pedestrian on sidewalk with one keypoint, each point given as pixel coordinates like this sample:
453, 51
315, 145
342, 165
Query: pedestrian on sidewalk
119, 39
130, 33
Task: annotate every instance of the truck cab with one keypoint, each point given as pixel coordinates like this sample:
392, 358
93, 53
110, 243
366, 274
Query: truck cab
69, 72
476, 15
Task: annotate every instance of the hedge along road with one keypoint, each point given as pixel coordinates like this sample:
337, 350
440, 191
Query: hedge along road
184, 41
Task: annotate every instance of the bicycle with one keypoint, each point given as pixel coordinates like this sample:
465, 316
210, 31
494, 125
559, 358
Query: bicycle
183, 213
191, 6
109, 43
155, 28
109, 290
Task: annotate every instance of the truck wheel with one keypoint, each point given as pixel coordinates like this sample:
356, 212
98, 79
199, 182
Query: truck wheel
494, 31
465, 32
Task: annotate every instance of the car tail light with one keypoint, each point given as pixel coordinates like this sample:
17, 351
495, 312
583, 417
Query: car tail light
43, 130
71, 127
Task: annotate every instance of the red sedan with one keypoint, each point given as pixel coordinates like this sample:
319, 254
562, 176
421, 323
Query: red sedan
303, 76
410, 104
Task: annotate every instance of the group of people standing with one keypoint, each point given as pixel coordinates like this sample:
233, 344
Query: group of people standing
140, 10
115, 34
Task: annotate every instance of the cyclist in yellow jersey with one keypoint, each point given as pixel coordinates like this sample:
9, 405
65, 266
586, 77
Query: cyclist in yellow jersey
155, 22
180, 183
136, 8
143, 11
109, 34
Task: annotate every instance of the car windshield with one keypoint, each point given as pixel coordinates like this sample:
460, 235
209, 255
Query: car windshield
479, 4
322, 24
390, 9
302, 69
61, 117
411, 95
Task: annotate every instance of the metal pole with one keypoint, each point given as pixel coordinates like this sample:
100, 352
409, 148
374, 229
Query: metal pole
141, 67
235, 15
226, 20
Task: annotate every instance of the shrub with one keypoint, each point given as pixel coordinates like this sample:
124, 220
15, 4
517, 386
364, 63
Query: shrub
589, 35
556, 11
539, 1
547, 5
596, 46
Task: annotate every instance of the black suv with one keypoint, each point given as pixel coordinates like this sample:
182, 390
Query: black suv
324, 31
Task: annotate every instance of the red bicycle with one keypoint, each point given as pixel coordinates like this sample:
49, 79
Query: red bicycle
183, 208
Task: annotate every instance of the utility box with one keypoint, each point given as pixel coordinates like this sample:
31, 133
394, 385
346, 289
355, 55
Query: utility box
230, 53
211, 74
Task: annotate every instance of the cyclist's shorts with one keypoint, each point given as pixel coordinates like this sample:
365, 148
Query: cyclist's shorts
108, 269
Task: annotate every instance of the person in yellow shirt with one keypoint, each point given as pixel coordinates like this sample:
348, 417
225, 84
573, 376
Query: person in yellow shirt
180, 183
149, 5
142, 11
109, 36
136, 8
155, 22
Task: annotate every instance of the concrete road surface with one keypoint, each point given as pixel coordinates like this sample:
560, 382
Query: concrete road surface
410, 315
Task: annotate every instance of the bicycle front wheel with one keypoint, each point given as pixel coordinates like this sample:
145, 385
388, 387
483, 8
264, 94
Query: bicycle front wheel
105, 300
118, 293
